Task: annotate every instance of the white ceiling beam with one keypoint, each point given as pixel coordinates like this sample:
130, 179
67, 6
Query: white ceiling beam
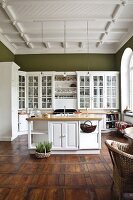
115, 15
80, 42
55, 19
17, 25
107, 2
124, 30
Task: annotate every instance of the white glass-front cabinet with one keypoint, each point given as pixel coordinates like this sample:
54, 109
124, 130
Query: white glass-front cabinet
98, 90
33, 91
22, 90
85, 94
50, 90
47, 93
39, 90
112, 91
91, 90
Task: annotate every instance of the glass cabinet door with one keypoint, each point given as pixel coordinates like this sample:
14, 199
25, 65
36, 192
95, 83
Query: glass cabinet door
111, 91
22, 87
98, 92
46, 91
84, 91
33, 91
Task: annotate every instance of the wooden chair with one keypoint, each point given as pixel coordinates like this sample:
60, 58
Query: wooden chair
122, 159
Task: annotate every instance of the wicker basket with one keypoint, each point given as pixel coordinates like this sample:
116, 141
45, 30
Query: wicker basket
42, 155
88, 128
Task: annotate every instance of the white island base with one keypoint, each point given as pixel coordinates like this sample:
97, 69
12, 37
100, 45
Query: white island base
65, 134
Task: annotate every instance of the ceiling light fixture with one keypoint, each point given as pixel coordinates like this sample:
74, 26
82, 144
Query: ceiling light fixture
3, 4
88, 46
14, 22
124, 3
64, 37
22, 34
29, 44
42, 36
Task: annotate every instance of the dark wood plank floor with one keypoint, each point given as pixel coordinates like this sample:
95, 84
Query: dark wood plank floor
59, 177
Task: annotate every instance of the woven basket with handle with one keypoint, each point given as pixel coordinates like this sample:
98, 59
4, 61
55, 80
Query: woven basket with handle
88, 128
42, 155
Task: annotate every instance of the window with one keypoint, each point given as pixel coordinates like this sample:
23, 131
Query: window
125, 77
131, 83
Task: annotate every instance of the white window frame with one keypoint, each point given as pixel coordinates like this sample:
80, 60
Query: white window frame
131, 83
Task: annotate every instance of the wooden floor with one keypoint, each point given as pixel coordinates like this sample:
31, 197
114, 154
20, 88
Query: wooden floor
59, 177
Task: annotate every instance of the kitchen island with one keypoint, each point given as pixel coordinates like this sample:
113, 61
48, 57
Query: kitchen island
65, 133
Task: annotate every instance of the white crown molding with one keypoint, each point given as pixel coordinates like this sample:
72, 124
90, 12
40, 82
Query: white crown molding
126, 38
24, 51
7, 44
67, 51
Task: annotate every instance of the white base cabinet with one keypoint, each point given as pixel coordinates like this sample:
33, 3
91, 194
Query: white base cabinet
22, 123
63, 135
66, 136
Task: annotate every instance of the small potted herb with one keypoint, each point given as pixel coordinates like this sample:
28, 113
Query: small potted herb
43, 150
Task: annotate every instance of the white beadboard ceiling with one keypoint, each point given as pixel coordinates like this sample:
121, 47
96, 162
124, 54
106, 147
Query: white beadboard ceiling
65, 26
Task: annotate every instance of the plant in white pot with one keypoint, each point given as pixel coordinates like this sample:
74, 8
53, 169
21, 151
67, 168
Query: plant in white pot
43, 150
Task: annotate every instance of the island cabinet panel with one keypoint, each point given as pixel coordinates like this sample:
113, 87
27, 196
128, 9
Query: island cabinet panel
90, 140
71, 135
63, 135
55, 130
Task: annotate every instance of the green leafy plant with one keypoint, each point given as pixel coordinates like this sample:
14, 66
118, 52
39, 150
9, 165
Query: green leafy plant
48, 146
44, 147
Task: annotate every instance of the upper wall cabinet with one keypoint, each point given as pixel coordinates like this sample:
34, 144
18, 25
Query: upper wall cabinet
33, 90
53, 90
46, 90
112, 90
98, 90
91, 89
22, 90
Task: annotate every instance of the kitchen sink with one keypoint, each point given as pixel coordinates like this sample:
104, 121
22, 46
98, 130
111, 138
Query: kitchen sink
64, 115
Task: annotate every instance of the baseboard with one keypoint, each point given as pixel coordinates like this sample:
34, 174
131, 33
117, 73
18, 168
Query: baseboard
4, 139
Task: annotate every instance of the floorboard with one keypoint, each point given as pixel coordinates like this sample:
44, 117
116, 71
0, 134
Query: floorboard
59, 177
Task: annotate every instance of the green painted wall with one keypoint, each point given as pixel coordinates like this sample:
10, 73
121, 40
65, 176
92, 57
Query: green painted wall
120, 52
5, 54
66, 62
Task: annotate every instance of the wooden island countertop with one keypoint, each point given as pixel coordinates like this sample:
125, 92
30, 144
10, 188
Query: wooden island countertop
71, 117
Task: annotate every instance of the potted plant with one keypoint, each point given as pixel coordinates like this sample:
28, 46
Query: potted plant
43, 150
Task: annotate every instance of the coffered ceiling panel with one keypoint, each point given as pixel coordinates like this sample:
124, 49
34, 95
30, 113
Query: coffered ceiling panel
65, 26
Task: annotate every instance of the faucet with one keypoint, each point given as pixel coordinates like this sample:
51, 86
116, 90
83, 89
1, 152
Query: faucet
64, 110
